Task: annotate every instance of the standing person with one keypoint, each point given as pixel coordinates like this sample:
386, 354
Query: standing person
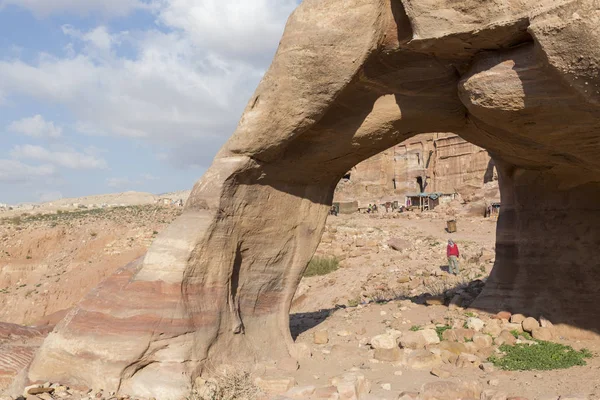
453, 254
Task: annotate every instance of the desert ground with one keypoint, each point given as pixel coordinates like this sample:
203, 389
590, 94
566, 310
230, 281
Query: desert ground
381, 319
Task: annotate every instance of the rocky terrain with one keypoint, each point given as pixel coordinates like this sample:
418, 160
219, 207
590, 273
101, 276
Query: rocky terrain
388, 322
49, 262
93, 202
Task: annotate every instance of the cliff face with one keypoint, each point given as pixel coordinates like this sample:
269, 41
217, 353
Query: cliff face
433, 162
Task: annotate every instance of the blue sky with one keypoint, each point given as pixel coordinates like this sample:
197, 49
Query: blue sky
101, 96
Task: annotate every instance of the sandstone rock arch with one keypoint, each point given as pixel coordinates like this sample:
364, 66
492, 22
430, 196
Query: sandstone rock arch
350, 79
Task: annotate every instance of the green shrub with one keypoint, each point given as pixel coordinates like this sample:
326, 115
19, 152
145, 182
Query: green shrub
415, 328
319, 266
541, 356
441, 329
353, 302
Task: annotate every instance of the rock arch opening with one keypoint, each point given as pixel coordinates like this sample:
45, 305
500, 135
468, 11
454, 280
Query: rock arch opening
350, 80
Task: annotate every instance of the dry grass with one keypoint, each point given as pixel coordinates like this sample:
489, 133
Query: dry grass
320, 266
386, 295
227, 384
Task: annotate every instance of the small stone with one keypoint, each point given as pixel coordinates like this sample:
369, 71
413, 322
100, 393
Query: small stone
503, 315
36, 389
482, 340
321, 337
507, 337
386, 386
494, 382
275, 386
344, 333
423, 359
398, 373
419, 339
384, 341
475, 323
435, 301
517, 318
389, 355
382, 313
529, 324
351, 385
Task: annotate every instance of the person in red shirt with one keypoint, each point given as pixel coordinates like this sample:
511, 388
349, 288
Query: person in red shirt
453, 254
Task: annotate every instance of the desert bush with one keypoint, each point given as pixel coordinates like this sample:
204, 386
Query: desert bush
227, 385
386, 295
319, 266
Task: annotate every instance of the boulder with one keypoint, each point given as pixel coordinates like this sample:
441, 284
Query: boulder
529, 324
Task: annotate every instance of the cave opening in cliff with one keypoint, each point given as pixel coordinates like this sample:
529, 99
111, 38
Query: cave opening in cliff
421, 185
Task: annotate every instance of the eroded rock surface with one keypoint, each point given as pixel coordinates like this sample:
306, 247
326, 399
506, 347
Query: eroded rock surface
352, 78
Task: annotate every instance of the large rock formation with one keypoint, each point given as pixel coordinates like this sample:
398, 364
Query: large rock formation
435, 162
350, 79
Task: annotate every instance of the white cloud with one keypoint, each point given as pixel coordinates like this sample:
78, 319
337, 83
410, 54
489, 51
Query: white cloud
36, 127
12, 171
182, 87
42, 8
233, 27
67, 158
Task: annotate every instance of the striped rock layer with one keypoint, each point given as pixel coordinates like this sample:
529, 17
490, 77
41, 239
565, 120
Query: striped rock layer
352, 78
